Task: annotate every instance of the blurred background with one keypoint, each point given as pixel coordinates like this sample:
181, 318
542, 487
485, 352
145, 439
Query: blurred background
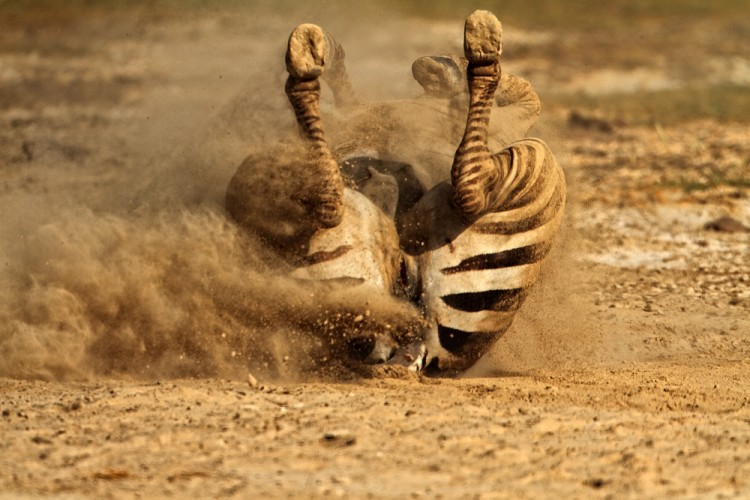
686, 59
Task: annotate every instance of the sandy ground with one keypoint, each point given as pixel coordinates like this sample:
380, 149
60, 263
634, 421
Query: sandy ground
626, 375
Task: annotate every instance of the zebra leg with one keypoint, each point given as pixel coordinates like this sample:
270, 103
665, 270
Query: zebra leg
308, 51
286, 194
313, 52
474, 170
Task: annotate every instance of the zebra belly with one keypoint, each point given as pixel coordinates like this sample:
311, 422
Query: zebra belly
361, 250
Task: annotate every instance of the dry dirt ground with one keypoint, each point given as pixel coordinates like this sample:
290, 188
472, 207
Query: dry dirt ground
625, 376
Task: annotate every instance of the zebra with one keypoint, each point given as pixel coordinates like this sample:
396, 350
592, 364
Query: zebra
464, 242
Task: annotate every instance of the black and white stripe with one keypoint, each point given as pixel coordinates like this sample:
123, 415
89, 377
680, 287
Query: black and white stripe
465, 251
474, 283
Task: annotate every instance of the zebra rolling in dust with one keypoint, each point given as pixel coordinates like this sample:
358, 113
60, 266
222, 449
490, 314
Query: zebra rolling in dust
464, 242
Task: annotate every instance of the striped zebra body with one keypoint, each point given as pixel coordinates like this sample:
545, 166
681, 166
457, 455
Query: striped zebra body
474, 283
470, 277
465, 251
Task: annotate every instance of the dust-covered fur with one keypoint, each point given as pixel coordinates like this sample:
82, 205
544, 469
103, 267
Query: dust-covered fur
369, 209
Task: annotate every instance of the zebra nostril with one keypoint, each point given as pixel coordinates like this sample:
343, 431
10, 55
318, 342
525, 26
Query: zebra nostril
404, 286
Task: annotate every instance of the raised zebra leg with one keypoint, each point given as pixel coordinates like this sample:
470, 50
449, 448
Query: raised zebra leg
475, 172
358, 251
480, 240
313, 53
285, 194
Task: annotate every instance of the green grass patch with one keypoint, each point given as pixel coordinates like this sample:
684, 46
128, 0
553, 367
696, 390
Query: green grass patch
723, 103
690, 186
539, 14
579, 14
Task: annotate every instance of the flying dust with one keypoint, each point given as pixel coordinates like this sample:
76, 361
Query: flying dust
154, 280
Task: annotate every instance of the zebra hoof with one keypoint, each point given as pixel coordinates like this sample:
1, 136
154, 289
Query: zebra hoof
440, 76
306, 52
483, 38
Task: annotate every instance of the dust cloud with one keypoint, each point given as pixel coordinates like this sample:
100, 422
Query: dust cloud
557, 325
176, 293
149, 278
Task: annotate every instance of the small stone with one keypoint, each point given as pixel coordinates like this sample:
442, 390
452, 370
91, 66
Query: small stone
338, 438
596, 483
252, 381
727, 225
739, 301
579, 120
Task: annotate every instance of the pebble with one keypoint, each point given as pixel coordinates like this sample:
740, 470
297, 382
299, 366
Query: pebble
726, 225
75, 405
338, 438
